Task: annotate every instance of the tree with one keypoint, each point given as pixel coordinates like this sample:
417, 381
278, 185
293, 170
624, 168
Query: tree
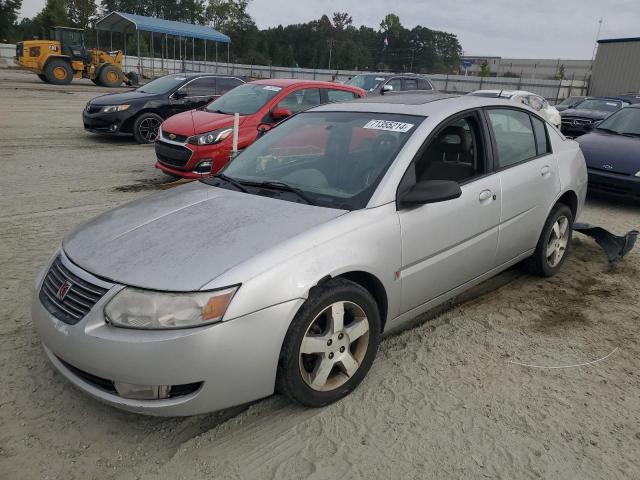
391, 24
485, 70
341, 20
9, 10
81, 12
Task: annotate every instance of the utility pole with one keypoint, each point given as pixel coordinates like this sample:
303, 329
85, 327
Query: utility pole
330, 42
595, 46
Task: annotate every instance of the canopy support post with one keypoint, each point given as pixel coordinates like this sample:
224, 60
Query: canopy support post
205, 55
193, 54
228, 58
216, 57
153, 57
140, 70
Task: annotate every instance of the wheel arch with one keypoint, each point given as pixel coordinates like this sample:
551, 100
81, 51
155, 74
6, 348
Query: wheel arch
50, 58
373, 285
127, 125
570, 199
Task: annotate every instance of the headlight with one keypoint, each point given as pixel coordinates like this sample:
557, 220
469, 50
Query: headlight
638, 174
115, 108
146, 309
210, 138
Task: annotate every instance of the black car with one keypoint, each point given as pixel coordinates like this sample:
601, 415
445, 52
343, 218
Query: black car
612, 153
381, 83
140, 112
582, 118
569, 102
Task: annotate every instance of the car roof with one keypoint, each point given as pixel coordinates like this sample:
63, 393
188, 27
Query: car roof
389, 75
206, 74
422, 104
286, 82
504, 92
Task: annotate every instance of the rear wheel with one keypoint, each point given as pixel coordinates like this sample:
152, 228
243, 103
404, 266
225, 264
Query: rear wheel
145, 128
43, 77
553, 245
58, 72
110, 76
96, 81
330, 345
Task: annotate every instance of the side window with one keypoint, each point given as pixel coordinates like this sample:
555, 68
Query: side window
513, 135
340, 96
424, 84
456, 153
224, 84
396, 83
201, 87
542, 140
301, 100
410, 84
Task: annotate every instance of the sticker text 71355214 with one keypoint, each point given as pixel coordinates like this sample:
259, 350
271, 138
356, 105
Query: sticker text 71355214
389, 126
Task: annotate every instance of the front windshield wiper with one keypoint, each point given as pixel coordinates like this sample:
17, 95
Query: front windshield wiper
273, 185
232, 181
218, 111
630, 134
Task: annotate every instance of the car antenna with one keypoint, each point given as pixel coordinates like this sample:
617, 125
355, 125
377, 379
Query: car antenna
500, 93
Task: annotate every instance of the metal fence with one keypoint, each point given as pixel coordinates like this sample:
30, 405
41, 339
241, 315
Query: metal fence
552, 90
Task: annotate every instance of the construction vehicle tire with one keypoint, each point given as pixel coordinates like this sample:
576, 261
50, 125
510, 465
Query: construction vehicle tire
110, 76
58, 72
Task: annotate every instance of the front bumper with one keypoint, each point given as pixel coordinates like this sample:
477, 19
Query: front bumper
184, 160
232, 362
106, 123
614, 184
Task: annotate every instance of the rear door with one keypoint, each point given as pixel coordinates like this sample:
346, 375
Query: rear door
528, 175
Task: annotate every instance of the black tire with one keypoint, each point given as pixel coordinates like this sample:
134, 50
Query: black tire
43, 77
290, 381
110, 76
143, 124
133, 79
58, 72
539, 263
96, 81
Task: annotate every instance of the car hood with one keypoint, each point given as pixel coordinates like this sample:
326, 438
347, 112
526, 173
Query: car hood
195, 122
181, 239
592, 114
621, 154
121, 98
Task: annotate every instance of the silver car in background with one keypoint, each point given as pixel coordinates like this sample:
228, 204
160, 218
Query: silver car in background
282, 272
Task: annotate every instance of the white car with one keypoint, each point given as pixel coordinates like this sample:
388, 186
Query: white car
538, 103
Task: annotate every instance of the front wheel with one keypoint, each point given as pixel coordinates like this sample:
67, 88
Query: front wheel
58, 72
145, 128
43, 77
553, 245
330, 345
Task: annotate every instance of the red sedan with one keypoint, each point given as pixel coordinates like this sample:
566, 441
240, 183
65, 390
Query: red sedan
198, 143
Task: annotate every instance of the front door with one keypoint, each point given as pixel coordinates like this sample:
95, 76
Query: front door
447, 244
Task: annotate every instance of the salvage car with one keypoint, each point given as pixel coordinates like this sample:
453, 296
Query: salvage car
140, 112
612, 153
199, 143
569, 102
340, 224
381, 83
585, 115
538, 103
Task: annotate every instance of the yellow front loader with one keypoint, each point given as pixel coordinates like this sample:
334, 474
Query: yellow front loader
64, 57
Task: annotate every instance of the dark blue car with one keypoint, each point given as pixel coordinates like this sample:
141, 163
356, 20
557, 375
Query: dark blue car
612, 153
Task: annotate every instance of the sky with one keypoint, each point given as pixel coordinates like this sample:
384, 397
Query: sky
505, 28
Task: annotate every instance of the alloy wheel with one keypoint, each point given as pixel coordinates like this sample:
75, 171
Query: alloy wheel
334, 346
557, 243
148, 129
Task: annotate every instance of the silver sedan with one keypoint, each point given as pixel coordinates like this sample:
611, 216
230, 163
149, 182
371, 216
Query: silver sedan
282, 272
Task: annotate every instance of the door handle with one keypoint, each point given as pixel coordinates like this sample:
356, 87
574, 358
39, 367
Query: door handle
544, 171
485, 195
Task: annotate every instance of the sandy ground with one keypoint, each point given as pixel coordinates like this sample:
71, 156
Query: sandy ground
443, 400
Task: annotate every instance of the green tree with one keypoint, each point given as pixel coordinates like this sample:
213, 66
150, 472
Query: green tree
81, 12
485, 70
9, 10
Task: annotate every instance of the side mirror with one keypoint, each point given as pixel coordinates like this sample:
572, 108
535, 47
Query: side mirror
280, 113
430, 191
178, 94
386, 88
263, 128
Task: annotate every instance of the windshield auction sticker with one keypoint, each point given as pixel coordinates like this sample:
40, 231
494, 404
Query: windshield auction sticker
272, 88
388, 126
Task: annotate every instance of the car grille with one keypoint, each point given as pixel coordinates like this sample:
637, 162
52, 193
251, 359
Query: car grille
173, 155
174, 138
576, 122
66, 296
93, 108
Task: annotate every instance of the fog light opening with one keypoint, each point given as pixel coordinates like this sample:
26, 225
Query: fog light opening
203, 167
142, 392
113, 128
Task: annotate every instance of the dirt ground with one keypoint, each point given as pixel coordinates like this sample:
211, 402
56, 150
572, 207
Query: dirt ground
448, 399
